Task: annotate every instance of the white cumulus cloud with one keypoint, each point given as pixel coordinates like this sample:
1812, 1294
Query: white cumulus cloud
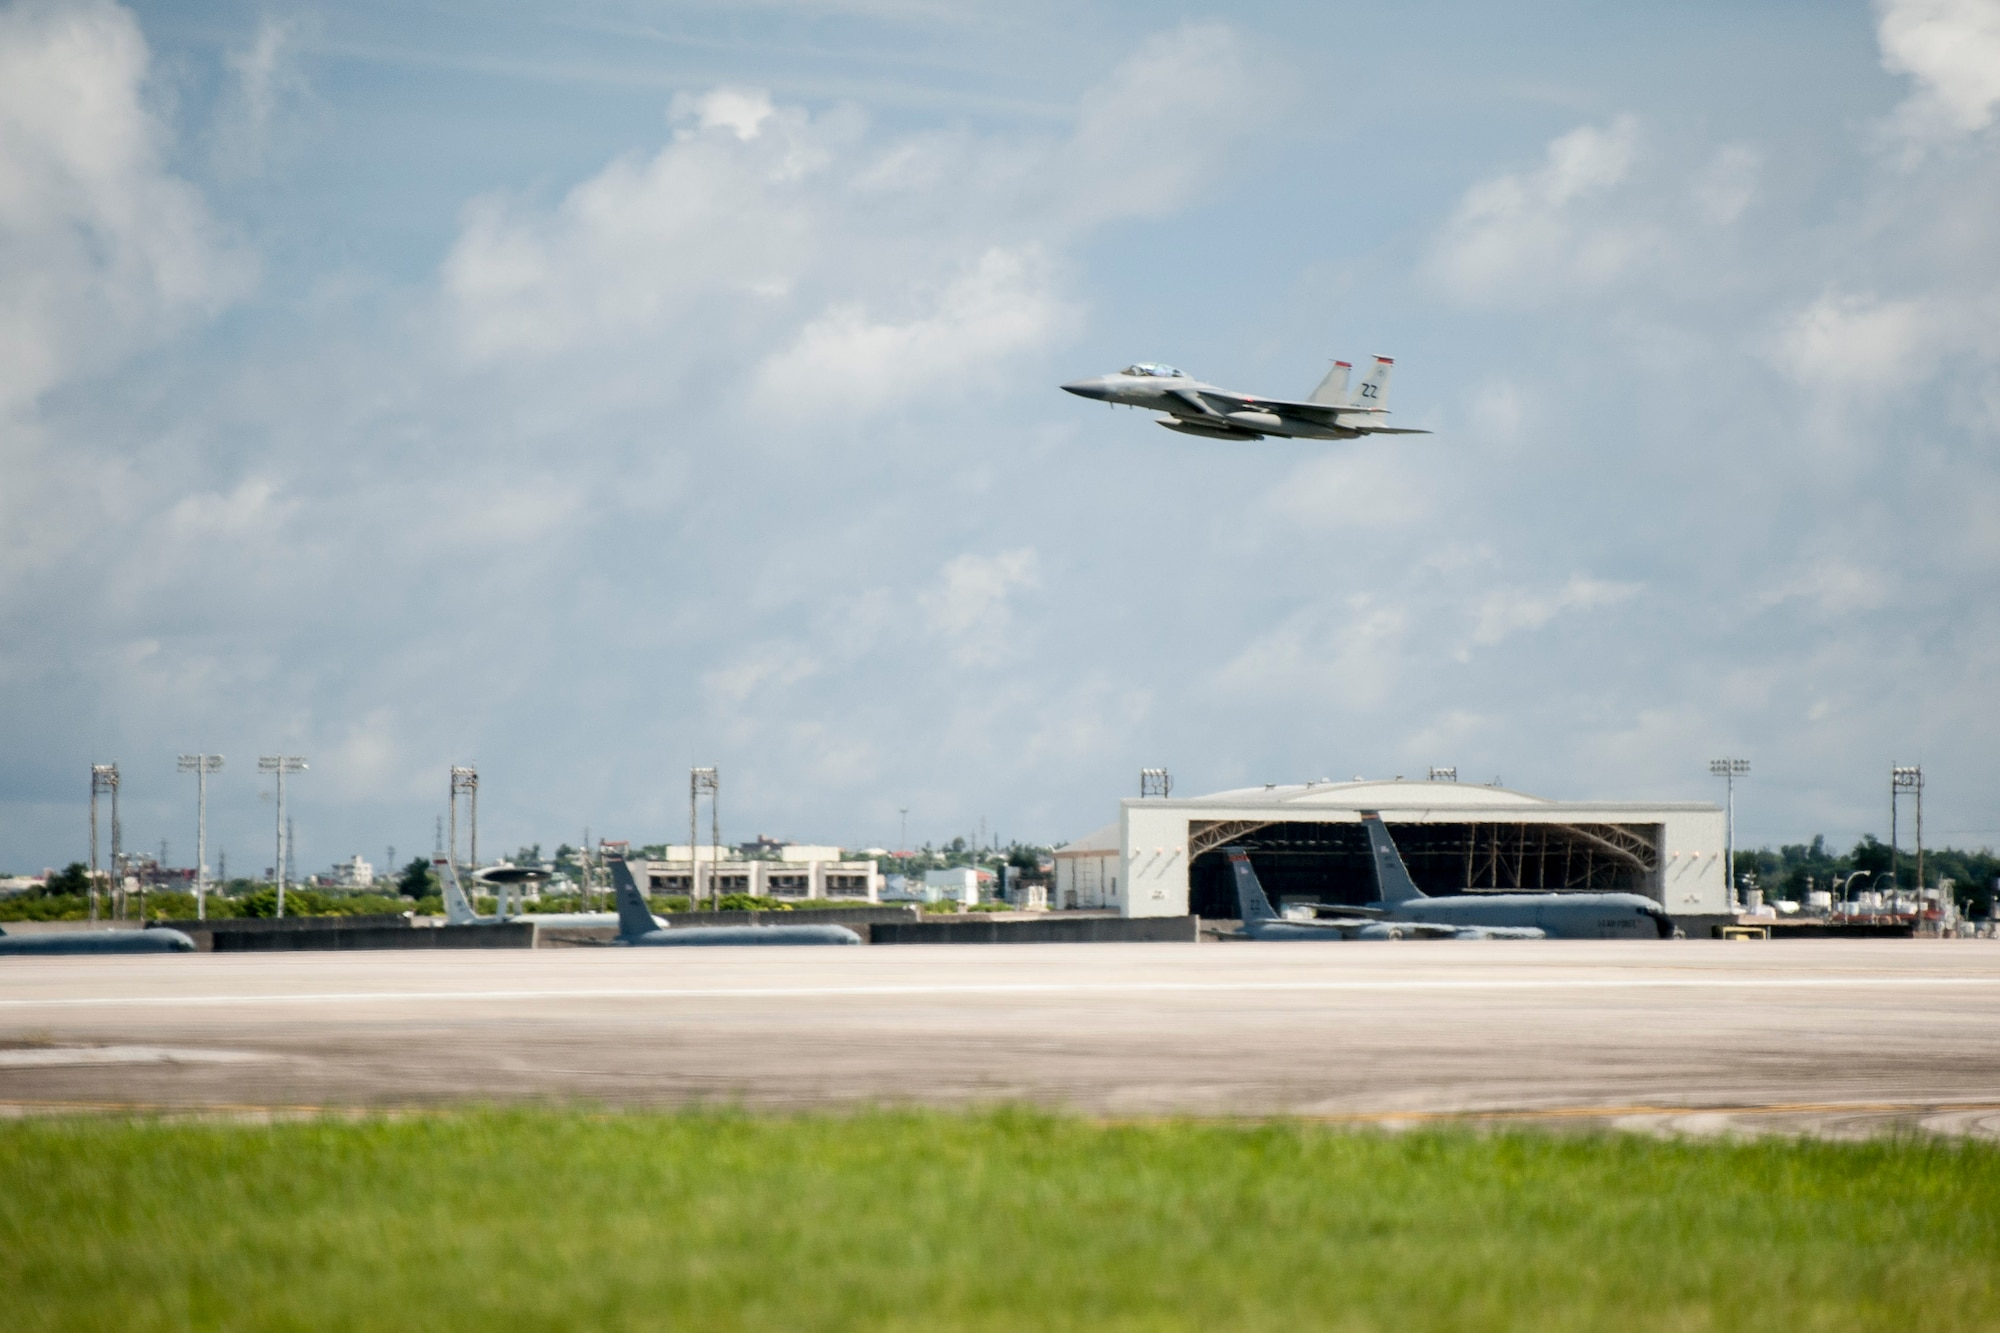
1505, 612
1542, 231
848, 360
970, 605
1950, 49
102, 248
1859, 347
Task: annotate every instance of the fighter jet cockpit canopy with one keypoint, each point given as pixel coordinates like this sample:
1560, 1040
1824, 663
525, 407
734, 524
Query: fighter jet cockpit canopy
1154, 370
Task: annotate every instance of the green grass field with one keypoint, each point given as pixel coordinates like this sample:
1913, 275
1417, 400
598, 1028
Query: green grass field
1004, 1220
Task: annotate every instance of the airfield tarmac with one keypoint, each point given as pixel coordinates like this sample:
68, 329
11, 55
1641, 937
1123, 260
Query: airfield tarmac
1833, 1037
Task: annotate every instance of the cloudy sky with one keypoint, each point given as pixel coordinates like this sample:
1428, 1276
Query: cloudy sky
586, 397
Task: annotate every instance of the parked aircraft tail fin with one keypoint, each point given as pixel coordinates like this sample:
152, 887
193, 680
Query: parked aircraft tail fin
1250, 898
457, 907
1393, 884
1373, 395
634, 916
1332, 391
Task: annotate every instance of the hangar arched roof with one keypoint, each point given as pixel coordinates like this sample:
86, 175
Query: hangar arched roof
1368, 795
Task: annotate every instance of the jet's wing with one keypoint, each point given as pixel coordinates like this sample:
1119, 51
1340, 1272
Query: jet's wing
1194, 400
1432, 930
1285, 407
1345, 415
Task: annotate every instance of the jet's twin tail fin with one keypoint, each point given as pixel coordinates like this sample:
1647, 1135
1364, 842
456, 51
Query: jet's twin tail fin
1250, 899
634, 916
1393, 884
1373, 395
1332, 391
457, 907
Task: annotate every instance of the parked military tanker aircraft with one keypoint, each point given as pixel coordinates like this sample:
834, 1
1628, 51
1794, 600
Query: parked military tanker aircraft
1194, 408
97, 942
1403, 911
501, 878
637, 926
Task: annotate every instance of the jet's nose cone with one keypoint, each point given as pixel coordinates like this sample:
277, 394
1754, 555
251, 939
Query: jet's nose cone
1085, 388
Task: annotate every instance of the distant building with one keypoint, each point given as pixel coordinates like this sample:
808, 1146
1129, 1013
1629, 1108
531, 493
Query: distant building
775, 849
803, 872
960, 884
1087, 871
353, 873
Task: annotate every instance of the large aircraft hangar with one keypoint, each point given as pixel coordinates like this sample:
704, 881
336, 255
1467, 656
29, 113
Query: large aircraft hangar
1163, 857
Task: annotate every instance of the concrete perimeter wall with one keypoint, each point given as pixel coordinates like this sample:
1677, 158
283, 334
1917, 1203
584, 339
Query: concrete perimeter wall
1055, 930
269, 924
512, 935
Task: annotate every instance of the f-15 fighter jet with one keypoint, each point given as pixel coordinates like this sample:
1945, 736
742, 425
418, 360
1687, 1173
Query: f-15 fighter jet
1194, 408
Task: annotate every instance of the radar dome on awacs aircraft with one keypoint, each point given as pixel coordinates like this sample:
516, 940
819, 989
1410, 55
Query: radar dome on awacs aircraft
1330, 412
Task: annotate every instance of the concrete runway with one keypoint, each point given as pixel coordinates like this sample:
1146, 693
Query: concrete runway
1833, 1037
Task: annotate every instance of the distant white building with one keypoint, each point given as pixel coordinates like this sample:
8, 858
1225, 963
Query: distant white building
960, 884
353, 873
818, 874
1087, 871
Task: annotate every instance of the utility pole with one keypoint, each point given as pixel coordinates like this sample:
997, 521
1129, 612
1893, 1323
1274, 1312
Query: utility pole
465, 781
904, 844
1730, 770
709, 781
201, 765
278, 765
103, 781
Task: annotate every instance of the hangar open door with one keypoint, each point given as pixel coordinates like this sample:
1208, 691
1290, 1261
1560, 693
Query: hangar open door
1303, 862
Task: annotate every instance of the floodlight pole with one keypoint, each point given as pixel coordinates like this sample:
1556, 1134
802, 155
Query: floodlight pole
465, 781
201, 765
117, 846
278, 765
103, 779
1906, 778
707, 780
1729, 770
